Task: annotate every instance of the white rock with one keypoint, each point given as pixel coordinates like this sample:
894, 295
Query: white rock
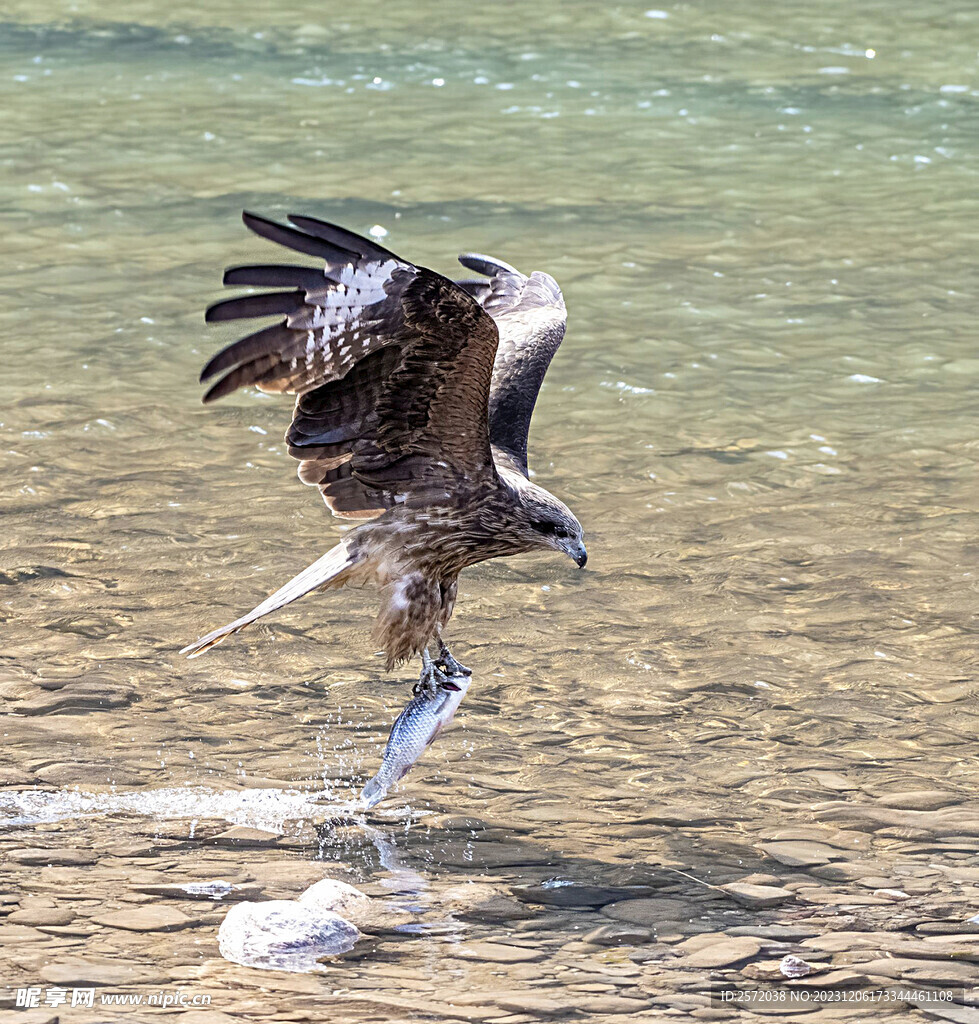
283, 935
794, 967
891, 894
342, 899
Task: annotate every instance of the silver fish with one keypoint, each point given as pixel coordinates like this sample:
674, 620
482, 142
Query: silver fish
422, 720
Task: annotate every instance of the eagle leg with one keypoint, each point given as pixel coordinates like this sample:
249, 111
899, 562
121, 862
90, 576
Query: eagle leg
446, 662
432, 678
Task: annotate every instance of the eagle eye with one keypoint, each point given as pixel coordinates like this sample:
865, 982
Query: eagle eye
550, 529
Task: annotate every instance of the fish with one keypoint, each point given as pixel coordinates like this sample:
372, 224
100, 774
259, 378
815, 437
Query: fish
422, 719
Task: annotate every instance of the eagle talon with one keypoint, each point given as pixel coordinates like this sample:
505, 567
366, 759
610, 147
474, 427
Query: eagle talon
424, 686
452, 667
449, 665
432, 678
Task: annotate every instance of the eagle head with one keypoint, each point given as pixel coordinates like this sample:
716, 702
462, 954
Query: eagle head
546, 522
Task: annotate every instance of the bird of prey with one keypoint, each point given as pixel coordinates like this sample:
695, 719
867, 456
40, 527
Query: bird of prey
414, 399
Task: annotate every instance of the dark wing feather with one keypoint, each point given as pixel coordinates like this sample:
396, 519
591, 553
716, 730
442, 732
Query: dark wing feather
365, 248
531, 317
391, 363
268, 304
275, 276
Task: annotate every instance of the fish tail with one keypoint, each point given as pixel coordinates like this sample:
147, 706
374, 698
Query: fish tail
374, 792
325, 571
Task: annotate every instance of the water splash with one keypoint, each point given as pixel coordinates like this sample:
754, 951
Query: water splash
267, 809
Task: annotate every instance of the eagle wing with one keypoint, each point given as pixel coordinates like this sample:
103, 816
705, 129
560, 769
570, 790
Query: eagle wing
531, 316
391, 363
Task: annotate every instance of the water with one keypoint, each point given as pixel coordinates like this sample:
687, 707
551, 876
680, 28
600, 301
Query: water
764, 414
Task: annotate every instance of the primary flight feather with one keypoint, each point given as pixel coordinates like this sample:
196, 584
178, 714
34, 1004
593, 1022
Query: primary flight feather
414, 399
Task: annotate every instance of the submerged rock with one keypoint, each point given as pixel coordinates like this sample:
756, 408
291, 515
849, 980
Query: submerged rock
101, 970
750, 895
650, 912
497, 952
217, 889
802, 853
38, 857
42, 917
618, 935
562, 893
245, 836
718, 950
495, 910
149, 918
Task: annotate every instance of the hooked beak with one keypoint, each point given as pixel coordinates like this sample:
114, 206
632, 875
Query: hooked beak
578, 554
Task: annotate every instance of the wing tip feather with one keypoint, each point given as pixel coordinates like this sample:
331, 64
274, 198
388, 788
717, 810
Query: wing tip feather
307, 242
215, 392
488, 265
359, 246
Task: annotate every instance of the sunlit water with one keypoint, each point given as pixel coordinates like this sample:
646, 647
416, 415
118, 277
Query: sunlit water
764, 222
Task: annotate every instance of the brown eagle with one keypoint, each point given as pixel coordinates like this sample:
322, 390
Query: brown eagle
415, 395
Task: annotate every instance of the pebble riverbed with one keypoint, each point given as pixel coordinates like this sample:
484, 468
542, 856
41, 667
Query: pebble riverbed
485, 920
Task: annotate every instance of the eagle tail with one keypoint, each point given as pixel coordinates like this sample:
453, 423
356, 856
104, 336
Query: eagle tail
323, 572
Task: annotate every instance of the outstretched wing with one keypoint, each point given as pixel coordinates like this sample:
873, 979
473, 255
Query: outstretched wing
391, 362
531, 317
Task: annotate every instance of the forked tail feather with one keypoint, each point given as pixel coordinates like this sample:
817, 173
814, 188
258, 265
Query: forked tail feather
323, 571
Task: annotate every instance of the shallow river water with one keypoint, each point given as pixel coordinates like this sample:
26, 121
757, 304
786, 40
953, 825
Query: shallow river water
764, 222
